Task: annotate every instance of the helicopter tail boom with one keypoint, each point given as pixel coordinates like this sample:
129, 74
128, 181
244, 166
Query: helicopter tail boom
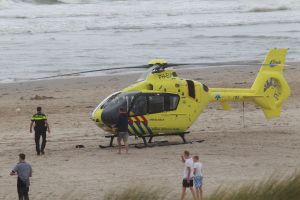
269, 90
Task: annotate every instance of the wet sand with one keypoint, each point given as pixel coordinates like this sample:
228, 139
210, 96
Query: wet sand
236, 149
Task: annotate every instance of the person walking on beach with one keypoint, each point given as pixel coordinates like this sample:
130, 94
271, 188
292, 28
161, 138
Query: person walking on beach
39, 120
187, 181
122, 127
23, 170
198, 177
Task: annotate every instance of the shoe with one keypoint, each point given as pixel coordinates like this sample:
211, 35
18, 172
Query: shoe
38, 153
43, 152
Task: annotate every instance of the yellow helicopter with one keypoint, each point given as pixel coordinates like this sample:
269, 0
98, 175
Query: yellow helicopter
164, 104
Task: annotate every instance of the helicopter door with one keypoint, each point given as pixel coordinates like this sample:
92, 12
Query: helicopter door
160, 116
152, 113
138, 124
139, 106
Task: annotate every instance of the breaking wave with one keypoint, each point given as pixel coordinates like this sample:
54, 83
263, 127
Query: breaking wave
43, 1
61, 1
4, 3
84, 26
268, 9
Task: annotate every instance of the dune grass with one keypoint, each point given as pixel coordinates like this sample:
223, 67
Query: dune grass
137, 193
275, 188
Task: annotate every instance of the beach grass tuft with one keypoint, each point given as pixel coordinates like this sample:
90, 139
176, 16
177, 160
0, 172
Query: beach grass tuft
274, 188
137, 193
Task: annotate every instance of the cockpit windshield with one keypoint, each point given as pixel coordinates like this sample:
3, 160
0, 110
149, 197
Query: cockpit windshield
111, 108
122, 99
108, 99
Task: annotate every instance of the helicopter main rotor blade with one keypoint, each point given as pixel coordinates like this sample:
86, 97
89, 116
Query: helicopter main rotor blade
234, 63
91, 71
221, 64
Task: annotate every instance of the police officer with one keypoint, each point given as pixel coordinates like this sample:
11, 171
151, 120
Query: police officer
39, 120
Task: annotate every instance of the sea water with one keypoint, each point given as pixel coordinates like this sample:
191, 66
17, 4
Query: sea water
49, 37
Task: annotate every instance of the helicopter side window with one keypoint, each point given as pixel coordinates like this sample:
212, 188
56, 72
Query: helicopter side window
191, 88
139, 106
156, 104
171, 102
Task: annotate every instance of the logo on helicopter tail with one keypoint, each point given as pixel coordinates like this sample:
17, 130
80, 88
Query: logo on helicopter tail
218, 97
273, 63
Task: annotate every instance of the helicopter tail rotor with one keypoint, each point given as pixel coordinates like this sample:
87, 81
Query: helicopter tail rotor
271, 85
269, 90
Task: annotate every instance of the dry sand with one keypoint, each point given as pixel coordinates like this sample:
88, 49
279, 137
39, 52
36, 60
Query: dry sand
233, 151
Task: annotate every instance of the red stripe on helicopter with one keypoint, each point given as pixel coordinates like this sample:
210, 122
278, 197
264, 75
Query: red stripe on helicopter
137, 119
144, 119
130, 120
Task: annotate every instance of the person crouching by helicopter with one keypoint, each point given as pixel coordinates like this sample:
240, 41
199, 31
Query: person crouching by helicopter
40, 128
187, 181
122, 127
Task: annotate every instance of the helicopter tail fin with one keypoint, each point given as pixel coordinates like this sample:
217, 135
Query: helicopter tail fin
269, 90
270, 87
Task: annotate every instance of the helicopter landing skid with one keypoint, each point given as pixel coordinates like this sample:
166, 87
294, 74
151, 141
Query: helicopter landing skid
150, 142
164, 143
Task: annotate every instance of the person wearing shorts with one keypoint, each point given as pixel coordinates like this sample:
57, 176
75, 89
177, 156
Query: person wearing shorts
198, 177
122, 127
187, 181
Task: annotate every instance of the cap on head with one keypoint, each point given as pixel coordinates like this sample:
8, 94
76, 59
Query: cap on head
22, 156
39, 109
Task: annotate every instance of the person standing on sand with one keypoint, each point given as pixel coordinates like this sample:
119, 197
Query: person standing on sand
122, 127
24, 171
198, 177
40, 128
187, 181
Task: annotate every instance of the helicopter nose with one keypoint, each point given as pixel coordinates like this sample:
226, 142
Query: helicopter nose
110, 116
96, 116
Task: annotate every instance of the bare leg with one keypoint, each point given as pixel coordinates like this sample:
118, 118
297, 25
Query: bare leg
193, 193
126, 145
120, 145
183, 193
197, 193
201, 193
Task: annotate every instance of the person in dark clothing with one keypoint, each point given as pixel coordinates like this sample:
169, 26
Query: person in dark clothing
24, 171
122, 127
39, 120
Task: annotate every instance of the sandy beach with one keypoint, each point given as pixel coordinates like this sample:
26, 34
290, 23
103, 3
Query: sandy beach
234, 150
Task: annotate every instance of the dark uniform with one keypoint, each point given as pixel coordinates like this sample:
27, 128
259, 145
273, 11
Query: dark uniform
122, 126
40, 129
